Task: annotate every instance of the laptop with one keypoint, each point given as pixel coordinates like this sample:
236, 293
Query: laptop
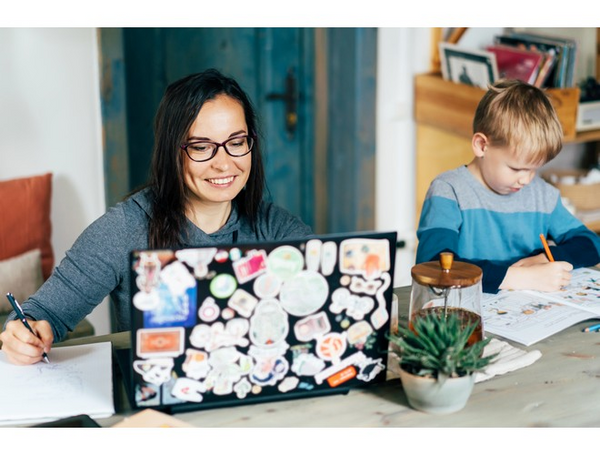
247, 323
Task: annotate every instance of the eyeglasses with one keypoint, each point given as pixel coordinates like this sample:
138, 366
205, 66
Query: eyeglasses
205, 150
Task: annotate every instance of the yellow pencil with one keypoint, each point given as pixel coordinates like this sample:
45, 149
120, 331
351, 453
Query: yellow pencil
547, 248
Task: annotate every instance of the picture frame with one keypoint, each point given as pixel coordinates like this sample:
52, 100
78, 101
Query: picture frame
467, 66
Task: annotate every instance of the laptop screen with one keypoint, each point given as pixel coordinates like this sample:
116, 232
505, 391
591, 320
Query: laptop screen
243, 323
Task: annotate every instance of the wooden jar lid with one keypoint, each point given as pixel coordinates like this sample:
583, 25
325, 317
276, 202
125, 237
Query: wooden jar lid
451, 275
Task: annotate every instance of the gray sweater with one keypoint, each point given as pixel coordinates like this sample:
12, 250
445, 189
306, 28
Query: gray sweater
98, 262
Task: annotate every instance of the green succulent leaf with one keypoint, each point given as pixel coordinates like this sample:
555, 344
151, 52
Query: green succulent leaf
437, 345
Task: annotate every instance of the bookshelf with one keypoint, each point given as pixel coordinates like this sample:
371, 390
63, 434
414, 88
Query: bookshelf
444, 113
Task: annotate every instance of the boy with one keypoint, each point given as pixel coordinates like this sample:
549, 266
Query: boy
492, 211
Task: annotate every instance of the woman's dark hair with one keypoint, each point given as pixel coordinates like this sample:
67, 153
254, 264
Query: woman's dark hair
177, 111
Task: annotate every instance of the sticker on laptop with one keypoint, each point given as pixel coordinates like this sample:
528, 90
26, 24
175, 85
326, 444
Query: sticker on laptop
148, 270
198, 259
369, 369
196, 364
307, 364
219, 335
269, 370
173, 309
353, 359
354, 306
358, 333
331, 347
155, 371
147, 394
269, 325
243, 302
312, 327
223, 285
285, 262
304, 294
250, 266
209, 311
328, 258
164, 342
313, 254
267, 286
188, 390
146, 301
381, 315
366, 257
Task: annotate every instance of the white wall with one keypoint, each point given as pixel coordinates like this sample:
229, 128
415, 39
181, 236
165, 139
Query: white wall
402, 53
50, 122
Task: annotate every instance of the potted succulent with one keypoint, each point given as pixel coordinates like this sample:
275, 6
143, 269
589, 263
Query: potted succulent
436, 362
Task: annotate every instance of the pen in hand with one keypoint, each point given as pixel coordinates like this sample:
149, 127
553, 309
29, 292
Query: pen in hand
21, 316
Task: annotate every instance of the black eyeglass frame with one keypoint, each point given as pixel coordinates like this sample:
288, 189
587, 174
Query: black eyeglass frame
249, 137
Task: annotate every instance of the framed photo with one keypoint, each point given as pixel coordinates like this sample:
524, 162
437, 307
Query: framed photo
466, 66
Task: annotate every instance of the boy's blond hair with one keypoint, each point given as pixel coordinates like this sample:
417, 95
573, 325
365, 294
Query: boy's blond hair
519, 116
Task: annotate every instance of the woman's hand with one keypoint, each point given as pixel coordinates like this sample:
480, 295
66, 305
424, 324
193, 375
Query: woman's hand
21, 346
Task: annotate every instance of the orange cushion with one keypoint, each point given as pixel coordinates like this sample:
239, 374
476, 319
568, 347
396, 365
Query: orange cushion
25, 221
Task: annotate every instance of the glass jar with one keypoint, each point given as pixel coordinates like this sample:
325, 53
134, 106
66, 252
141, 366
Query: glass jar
449, 287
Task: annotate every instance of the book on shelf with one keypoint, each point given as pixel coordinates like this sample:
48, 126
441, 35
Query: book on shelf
546, 68
468, 66
517, 63
527, 317
560, 52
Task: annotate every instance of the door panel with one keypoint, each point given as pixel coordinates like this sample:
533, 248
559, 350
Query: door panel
286, 105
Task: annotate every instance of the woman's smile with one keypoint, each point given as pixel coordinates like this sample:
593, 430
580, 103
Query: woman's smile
221, 181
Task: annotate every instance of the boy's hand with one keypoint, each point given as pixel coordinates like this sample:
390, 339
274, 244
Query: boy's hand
546, 277
21, 346
538, 259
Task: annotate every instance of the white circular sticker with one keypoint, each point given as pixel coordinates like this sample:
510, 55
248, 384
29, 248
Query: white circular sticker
146, 301
285, 262
304, 294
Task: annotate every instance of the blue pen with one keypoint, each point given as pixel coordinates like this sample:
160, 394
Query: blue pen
21, 316
592, 328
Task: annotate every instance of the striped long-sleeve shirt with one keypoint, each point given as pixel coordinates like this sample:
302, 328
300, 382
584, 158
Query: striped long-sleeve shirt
494, 231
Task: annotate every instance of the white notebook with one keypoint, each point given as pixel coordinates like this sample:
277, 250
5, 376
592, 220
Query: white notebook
78, 380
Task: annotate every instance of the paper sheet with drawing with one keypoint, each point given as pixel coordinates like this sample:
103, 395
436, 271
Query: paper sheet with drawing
77, 381
528, 316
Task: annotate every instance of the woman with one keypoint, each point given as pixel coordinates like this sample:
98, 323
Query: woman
206, 188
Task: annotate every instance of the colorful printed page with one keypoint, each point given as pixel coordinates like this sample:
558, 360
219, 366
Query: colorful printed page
78, 380
583, 291
528, 316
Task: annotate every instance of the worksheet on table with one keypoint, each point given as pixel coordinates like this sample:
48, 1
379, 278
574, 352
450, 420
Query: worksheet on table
528, 316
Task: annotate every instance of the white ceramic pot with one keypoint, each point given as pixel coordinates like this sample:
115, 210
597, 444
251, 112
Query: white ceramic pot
437, 397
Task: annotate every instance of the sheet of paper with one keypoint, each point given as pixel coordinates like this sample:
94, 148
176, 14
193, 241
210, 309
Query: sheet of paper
526, 318
77, 381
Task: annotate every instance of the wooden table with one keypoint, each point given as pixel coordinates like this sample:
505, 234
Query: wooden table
561, 389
